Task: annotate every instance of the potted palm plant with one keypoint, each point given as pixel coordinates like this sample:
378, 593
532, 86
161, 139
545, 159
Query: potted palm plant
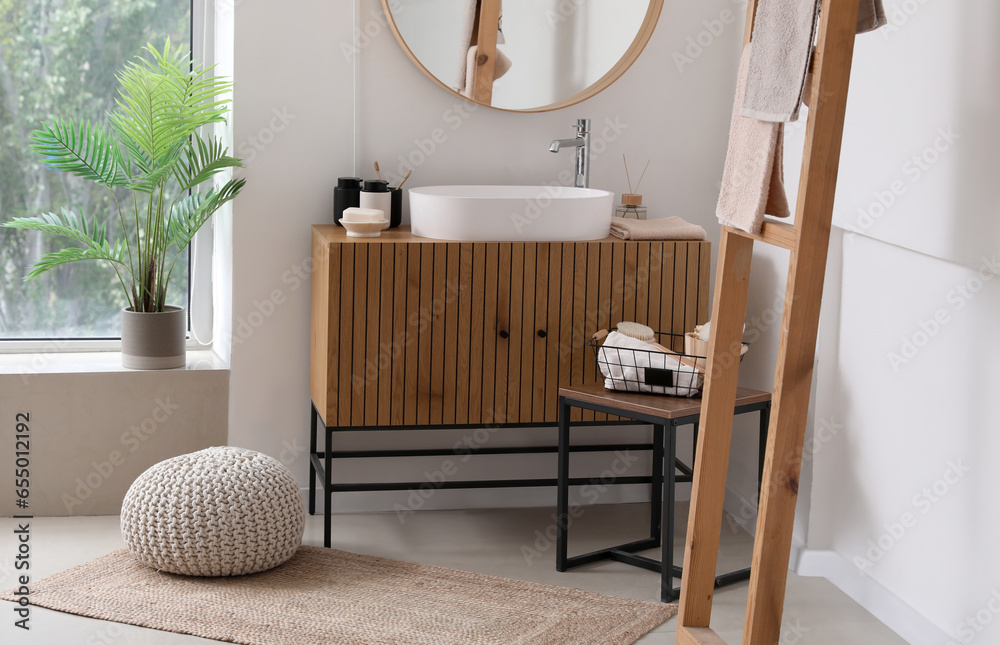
155, 161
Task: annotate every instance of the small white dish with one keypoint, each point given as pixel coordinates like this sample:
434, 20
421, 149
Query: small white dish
364, 229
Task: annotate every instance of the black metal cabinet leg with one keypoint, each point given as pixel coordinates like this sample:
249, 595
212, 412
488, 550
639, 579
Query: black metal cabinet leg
562, 493
694, 444
312, 451
670, 475
656, 488
765, 421
327, 487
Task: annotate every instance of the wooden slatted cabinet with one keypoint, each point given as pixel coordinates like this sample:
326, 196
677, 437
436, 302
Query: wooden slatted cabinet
408, 331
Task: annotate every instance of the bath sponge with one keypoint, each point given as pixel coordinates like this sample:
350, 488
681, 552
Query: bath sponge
637, 331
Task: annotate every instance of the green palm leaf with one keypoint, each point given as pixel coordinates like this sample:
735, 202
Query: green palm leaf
148, 118
150, 173
85, 151
69, 224
152, 147
72, 226
199, 92
201, 162
115, 254
160, 105
191, 213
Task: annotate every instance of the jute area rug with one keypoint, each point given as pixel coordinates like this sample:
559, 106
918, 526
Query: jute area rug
323, 596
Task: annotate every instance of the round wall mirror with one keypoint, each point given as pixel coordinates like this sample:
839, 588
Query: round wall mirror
523, 55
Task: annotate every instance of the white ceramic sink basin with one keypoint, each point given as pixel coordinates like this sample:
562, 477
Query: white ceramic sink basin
511, 213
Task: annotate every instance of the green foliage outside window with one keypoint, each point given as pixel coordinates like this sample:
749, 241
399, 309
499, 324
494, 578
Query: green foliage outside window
58, 59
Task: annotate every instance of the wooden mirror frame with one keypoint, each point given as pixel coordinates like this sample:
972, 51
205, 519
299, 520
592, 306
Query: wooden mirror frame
626, 61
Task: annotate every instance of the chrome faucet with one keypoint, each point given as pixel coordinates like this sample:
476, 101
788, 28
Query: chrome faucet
582, 145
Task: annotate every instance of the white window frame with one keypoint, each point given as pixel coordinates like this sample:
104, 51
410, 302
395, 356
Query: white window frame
203, 43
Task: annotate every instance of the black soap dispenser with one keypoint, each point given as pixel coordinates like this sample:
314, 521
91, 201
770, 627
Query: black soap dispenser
346, 195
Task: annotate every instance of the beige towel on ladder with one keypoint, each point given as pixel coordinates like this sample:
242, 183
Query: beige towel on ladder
871, 16
783, 35
753, 179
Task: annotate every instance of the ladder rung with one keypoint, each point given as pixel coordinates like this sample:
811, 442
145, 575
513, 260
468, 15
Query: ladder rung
698, 636
777, 233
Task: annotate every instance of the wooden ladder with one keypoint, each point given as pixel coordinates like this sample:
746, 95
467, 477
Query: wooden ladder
808, 240
484, 36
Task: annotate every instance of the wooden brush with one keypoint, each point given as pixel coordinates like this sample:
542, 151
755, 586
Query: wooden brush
405, 177
637, 331
378, 173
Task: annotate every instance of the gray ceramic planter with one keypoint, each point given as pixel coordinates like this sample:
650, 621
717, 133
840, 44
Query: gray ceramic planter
154, 341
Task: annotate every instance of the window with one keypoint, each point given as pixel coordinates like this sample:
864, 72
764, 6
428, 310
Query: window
58, 59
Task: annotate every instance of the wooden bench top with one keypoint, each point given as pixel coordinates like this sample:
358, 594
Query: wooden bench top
667, 407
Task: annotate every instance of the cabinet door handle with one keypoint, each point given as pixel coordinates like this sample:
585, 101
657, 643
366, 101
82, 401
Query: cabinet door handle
541, 333
504, 334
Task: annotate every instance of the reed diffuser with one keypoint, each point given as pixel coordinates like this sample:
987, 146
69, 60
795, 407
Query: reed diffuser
631, 206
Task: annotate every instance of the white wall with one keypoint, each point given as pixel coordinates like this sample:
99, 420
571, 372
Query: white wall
93, 426
904, 491
920, 165
348, 105
903, 516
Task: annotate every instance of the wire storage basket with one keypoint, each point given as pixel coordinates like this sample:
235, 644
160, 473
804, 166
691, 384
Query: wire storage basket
668, 373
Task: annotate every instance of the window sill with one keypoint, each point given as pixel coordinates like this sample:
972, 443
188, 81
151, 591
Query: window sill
96, 362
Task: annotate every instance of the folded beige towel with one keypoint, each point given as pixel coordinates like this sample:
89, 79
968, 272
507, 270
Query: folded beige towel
783, 35
753, 178
668, 228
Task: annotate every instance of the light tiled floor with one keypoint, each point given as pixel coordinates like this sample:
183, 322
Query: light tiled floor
509, 543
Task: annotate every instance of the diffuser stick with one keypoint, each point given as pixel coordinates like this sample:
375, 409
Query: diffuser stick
625, 161
643, 175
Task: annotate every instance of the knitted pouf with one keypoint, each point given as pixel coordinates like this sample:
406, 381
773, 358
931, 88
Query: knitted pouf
216, 512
